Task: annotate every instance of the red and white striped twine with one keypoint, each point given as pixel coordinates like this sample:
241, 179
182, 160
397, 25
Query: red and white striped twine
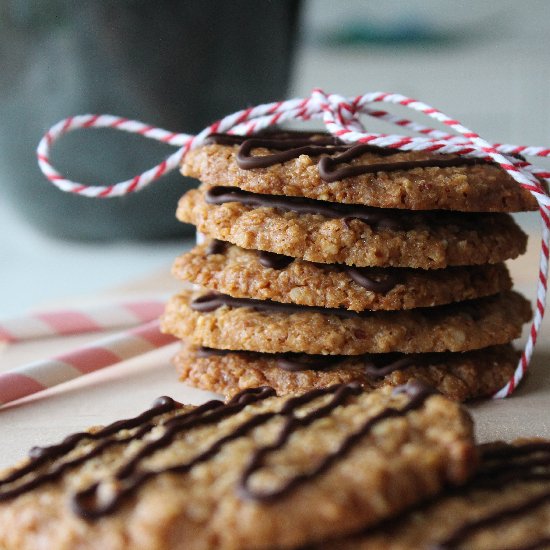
340, 116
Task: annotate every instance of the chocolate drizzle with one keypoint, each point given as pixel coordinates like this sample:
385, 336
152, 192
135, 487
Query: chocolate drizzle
41, 455
374, 279
417, 392
381, 218
87, 503
505, 464
329, 173
296, 362
292, 145
289, 144
288, 149
377, 366
273, 260
288, 361
375, 370
501, 467
90, 503
385, 279
215, 246
213, 300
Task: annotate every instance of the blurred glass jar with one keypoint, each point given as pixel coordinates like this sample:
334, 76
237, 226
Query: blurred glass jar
176, 64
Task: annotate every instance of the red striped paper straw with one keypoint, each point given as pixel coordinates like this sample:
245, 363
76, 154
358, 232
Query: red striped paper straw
40, 375
78, 321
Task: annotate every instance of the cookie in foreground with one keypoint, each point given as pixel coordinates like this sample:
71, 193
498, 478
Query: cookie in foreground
259, 471
459, 376
506, 505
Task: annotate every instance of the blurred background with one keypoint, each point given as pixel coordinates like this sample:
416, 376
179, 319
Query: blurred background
182, 64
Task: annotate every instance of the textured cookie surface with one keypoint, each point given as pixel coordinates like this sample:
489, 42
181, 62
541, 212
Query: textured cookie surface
456, 327
240, 273
459, 376
482, 187
510, 494
487, 238
345, 459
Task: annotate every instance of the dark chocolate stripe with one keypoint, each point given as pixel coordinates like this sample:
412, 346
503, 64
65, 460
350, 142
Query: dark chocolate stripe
130, 476
291, 146
377, 366
380, 218
274, 261
380, 281
374, 279
211, 301
497, 468
215, 246
418, 393
329, 173
289, 361
501, 515
503, 465
385, 279
40, 455
383, 218
505, 451
500, 454
288, 149
87, 503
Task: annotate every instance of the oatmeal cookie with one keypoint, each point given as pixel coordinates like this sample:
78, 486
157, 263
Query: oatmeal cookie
506, 505
257, 472
266, 276
428, 241
459, 376
219, 321
478, 187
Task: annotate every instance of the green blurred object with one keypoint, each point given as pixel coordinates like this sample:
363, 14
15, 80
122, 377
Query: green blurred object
406, 32
176, 64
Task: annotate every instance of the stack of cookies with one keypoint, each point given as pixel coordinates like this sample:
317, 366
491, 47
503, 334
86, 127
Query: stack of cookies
334, 263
